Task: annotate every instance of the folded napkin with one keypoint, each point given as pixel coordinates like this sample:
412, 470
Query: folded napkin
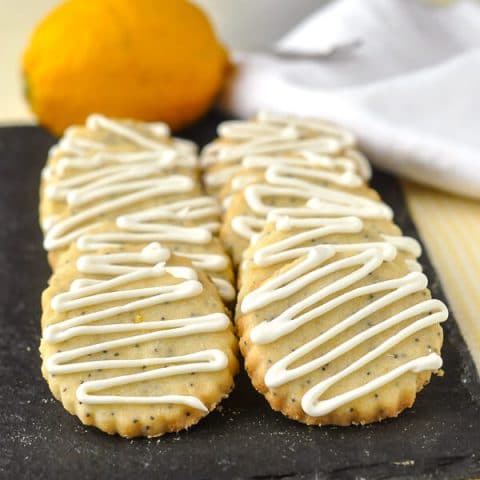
404, 75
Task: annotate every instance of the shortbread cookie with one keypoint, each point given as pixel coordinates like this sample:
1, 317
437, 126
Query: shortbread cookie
285, 239
136, 342
134, 193
329, 171
294, 191
274, 135
102, 134
77, 187
60, 193
185, 228
108, 152
65, 177
341, 337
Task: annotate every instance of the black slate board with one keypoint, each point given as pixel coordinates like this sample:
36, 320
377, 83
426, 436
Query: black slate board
438, 438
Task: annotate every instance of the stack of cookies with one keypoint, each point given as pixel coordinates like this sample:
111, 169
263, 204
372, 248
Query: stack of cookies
136, 336
336, 324
334, 318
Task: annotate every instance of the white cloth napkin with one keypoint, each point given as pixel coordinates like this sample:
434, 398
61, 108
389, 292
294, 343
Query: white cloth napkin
404, 75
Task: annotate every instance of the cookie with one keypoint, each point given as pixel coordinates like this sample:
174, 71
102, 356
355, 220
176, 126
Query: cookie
184, 222
135, 192
59, 193
183, 227
341, 337
294, 191
102, 134
136, 341
285, 239
274, 134
105, 157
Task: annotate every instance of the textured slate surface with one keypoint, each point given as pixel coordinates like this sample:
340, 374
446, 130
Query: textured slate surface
438, 438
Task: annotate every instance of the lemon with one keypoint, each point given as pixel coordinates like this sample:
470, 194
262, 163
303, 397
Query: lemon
143, 59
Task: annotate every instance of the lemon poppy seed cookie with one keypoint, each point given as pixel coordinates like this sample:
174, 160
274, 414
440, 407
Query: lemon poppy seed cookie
284, 239
293, 191
136, 342
107, 153
275, 135
103, 134
338, 337
132, 194
280, 161
185, 228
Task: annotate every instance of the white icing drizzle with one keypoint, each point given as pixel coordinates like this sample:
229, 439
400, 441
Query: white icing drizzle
49, 222
191, 209
274, 134
275, 118
241, 181
247, 226
273, 145
267, 134
123, 268
208, 262
74, 144
160, 233
152, 226
301, 166
102, 163
225, 289
276, 174
315, 407
289, 248
159, 129
314, 267
104, 182
125, 262
218, 178
69, 229
280, 181
307, 159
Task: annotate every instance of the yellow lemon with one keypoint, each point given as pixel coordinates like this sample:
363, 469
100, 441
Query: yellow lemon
143, 59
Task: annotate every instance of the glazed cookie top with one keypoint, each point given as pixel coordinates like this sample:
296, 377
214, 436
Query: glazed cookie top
129, 328
274, 135
290, 165
102, 134
285, 239
136, 192
295, 192
339, 171
107, 153
185, 228
109, 179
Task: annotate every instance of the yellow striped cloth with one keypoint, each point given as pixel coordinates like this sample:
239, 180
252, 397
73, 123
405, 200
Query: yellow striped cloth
450, 229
